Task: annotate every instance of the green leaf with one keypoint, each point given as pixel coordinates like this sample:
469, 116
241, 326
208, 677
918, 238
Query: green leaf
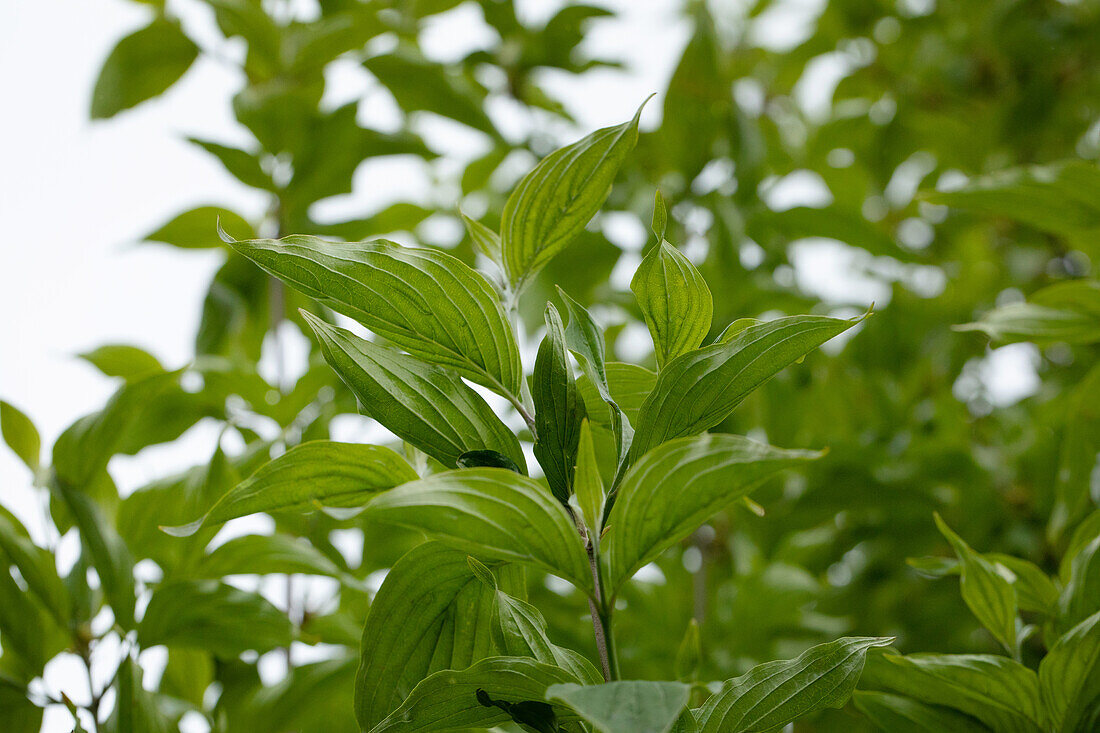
422, 85
999, 692
268, 554
30, 637
1069, 677
141, 66
426, 405
121, 360
635, 705
770, 695
628, 386
486, 459
698, 390
306, 477
1035, 591
559, 411
243, 165
38, 568
689, 654
988, 595
519, 630
675, 302
897, 714
1067, 312
210, 615
678, 486
490, 513
447, 701
198, 228
552, 204
660, 216
21, 435
485, 240
1081, 595
431, 613
588, 484
135, 707
425, 301
19, 714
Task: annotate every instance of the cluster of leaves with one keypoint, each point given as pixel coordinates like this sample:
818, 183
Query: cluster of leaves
927, 92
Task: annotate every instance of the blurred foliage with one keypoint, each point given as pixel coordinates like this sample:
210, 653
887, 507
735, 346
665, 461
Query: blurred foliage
952, 172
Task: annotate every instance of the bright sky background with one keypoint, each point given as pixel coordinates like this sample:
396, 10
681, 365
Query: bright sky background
76, 196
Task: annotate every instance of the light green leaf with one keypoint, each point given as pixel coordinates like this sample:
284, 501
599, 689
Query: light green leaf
141, 66
491, 513
425, 301
635, 705
38, 568
897, 714
1081, 595
121, 360
207, 614
21, 435
552, 204
678, 486
999, 692
1067, 312
243, 165
588, 484
426, 405
628, 386
431, 614
689, 654
770, 695
19, 714
198, 228
447, 701
660, 216
267, 554
1069, 677
698, 390
1035, 591
675, 302
559, 410
306, 477
485, 239
988, 595
135, 708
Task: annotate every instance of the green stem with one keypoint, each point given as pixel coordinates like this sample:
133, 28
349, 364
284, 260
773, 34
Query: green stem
609, 643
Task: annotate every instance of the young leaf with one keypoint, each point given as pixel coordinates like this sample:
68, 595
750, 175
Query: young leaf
141, 66
689, 653
587, 483
1069, 678
491, 513
678, 486
660, 216
771, 695
210, 615
431, 613
21, 435
1081, 595
636, 706
425, 301
897, 714
559, 411
485, 239
458, 700
306, 477
121, 360
990, 597
698, 390
426, 405
999, 692
675, 302
552, 204
1035, 591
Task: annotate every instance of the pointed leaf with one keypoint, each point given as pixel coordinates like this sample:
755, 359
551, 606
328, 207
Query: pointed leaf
771, 695
491, 513
588, 483
698, 390
678, 486
142, 65
425, 301
559, 410
552, 204
675, 302
1069, 677
897, 714
21, 435
485, 239
306, 477
430, 407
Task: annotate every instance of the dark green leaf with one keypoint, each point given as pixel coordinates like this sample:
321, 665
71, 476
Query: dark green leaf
897, 714
641, 707
1069, 677
142, 65
558, 409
